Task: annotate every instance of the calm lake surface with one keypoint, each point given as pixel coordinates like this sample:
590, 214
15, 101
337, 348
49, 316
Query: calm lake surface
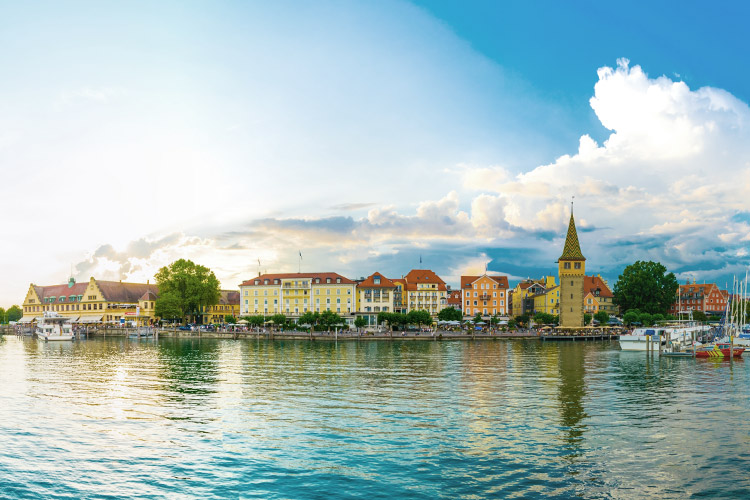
292, 419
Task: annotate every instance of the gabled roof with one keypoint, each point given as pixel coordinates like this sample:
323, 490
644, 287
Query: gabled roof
148, 296
370, 282
229, 297
705, 287
310, 276
117, 291
467, 281
58, 291
591, 283
420, 276
572, 249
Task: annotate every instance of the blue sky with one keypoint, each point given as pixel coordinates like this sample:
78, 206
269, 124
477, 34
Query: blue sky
368, 134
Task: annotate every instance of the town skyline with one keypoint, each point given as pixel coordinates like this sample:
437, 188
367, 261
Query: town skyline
368, 137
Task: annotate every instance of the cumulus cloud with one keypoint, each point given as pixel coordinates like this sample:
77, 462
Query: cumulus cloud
670, 183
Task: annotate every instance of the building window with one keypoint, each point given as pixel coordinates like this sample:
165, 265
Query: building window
577, 265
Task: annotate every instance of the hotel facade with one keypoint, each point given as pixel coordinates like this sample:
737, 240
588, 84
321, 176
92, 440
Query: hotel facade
293, 294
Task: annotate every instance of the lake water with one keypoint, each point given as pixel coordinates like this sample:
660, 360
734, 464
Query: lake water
292, 419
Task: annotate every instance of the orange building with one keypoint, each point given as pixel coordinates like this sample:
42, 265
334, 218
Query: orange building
485, 295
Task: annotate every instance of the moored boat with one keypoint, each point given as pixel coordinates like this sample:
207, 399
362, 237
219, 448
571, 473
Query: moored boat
53, 326
719, 350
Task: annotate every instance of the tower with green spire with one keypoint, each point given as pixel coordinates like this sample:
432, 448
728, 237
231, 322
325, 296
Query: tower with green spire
571, 268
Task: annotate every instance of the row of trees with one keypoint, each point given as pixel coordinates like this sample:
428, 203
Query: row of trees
14, 313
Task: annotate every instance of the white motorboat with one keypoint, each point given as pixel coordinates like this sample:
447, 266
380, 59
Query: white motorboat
53, 326
680, 335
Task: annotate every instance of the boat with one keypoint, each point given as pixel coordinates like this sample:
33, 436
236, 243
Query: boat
719, 350
54, 326
663, 335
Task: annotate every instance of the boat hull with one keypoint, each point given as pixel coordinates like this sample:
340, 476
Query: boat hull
722, 353
51, 338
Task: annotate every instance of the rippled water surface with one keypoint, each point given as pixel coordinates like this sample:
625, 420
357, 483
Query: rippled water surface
255, 419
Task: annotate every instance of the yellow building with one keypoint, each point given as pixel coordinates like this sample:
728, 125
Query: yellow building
485, 295
93, 302
375, 295
294, 294
425, 291
521, 298
590, 304
399, 295
600, 293
548, 301
229, 305
571, 267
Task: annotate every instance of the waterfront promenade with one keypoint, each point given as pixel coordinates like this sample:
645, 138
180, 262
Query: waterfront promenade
378, 335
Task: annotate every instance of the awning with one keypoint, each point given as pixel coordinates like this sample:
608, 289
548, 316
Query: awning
25, 320
90, 319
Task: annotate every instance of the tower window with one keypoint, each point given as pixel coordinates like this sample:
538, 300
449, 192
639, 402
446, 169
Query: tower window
566, 265
577, 265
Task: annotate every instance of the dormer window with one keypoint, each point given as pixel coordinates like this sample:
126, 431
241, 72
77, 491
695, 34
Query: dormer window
328, 280
276, 282
257, 282
317, 280
338, 280
265, 282
376, 280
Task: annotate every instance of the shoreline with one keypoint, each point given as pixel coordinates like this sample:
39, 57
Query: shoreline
440, 335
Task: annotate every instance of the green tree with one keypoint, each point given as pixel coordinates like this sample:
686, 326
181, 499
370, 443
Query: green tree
14, 313
587, 318
630, 317
646, 286
190, 286
450, 314
228, 318
699, 316
657, 318
602, 317
646, 319
308, 318
419, 318
476, 319
168, 307
329, 319
3, 319
278, 320
522, 319
512, 324
542, 318
360, 322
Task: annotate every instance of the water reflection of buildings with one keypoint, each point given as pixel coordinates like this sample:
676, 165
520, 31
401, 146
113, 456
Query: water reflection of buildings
571, 392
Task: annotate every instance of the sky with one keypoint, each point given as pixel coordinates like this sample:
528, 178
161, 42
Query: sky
370, 136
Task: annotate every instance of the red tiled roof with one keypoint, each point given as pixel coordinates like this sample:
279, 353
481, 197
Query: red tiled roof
502, 281
229, 297
370, 282
591, 283
310, 276
418, 276
58, 291
117, 291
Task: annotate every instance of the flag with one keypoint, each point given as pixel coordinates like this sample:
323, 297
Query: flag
300, 254
420, 259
